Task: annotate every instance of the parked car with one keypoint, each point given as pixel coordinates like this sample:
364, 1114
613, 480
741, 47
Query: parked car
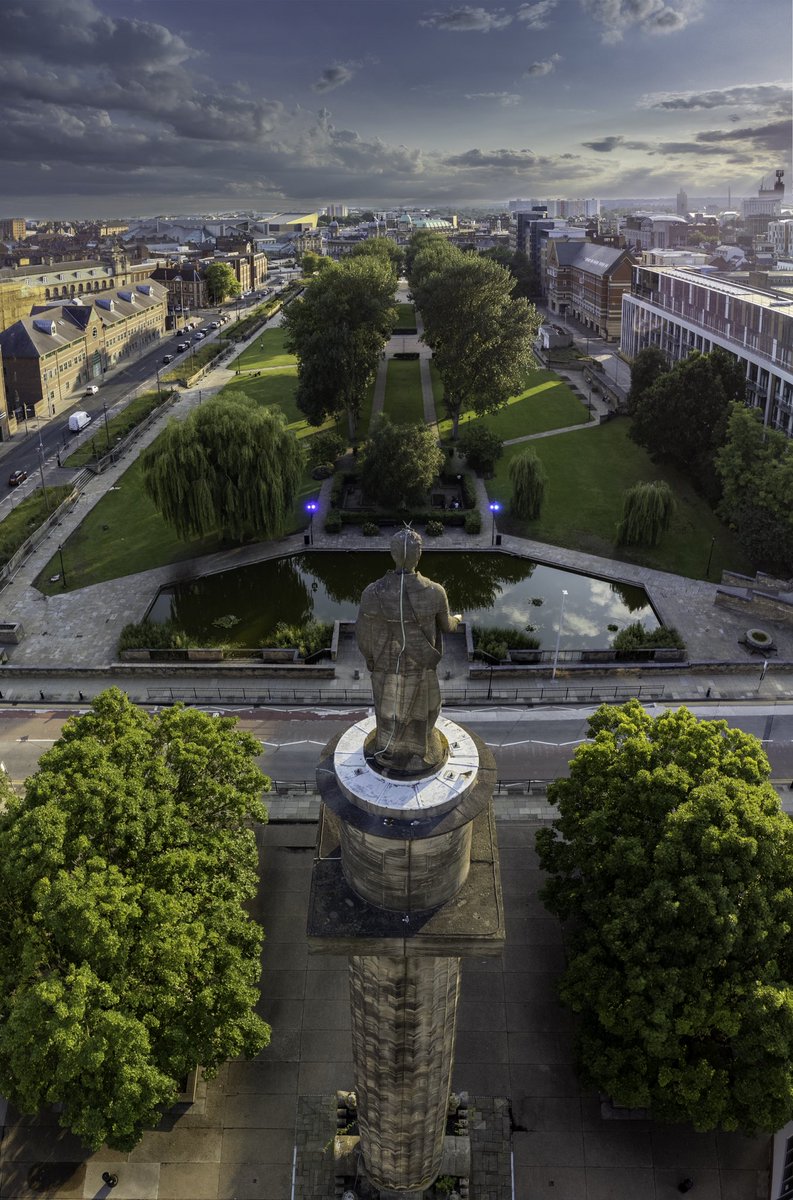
198, 337
91, 390
168, 358
17, 477
183, 346
215, 325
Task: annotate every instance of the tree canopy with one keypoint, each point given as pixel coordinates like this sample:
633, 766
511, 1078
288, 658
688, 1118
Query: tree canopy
480, 447
384, 248
529, 482
126, 957
648, 365
480, 336
221, 282
338, 329
673, 860
400, 463
646, 514
228, 468
682, 417
755, 466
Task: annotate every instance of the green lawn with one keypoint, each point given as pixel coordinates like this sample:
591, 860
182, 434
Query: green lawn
546, 403
267, 351
276, 389
406, 317
403, 402
117, 426
588, 472
24, 520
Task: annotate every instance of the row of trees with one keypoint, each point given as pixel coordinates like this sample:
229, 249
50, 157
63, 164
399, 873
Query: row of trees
479, 333
338, 330
694, 416
126, 956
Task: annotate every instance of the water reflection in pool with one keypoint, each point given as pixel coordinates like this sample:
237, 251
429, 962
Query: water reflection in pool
489, 589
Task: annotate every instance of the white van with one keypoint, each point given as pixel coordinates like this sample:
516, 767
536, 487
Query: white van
78, 421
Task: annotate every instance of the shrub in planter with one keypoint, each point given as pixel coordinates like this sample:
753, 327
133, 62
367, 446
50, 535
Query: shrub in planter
434, 528
333, 522
473, 521
636, 637
369, 529
496, 640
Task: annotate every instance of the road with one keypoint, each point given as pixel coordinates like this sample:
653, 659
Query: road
527, 744
42, 441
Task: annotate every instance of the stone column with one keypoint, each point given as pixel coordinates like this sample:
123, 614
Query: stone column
403, 1024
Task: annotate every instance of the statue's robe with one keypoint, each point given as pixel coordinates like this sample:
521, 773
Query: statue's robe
400, 624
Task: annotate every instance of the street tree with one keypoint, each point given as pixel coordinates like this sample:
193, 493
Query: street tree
228, 468
221, 282
755, 466
338, 329
480, 447
646, 514
672, 860
529, 482
126, 955
480, 336
400, 463
682, 417
648, 365
312, 263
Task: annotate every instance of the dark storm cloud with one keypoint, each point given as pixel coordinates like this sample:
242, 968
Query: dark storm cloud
605, 145
760, 95
774, 136
499, 159
65, 31
467, 19
333, 77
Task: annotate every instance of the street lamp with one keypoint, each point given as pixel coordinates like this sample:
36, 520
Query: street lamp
710, 556
157, 369
558, 635
494, 507
41, 471
107, 431
63, 569
311, 508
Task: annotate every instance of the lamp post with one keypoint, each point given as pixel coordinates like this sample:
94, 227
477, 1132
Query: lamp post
494, 507
311, 508
157, 369
41, 472
107, 430
63, 569
710, 556
558, 634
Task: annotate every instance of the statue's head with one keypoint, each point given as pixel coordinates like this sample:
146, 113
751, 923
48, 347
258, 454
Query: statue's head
406, 549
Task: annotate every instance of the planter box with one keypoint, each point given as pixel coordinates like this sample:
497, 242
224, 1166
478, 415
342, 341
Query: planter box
205, 655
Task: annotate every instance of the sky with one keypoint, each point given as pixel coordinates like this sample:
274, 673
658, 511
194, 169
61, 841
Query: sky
139, 107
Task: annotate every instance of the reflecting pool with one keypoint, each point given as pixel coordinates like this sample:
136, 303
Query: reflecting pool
242, 606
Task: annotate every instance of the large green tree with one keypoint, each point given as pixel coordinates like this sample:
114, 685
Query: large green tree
755, 466
529, 482
672, 860
400, 463
338, 329
647, 513
682, 417
480, 336
648, 366
221, 282
126, 956
228, 468
384, 248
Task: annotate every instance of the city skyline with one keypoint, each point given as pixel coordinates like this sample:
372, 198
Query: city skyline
159, 105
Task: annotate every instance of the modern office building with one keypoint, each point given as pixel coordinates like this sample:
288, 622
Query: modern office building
680, 309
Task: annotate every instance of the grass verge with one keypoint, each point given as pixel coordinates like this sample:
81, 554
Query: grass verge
26, 518
588, 472
106, 436
403, 401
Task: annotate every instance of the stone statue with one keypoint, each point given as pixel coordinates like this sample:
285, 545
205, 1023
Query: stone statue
399, 631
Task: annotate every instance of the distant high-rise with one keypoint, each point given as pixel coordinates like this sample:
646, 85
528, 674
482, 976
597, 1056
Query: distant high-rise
13, 228
337, 210
765, 207
682, 203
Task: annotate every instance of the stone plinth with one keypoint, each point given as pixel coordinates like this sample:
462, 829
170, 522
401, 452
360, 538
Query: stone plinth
405, 882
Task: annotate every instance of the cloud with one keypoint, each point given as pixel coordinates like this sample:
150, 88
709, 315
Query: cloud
544, 67
773, 136
467, 19
752, 95
333, 77
605, 145
648, 16
535, 15
505, 99
493, 159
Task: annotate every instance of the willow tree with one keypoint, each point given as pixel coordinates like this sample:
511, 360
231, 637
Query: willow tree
647, 513
529, 481
229, 468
